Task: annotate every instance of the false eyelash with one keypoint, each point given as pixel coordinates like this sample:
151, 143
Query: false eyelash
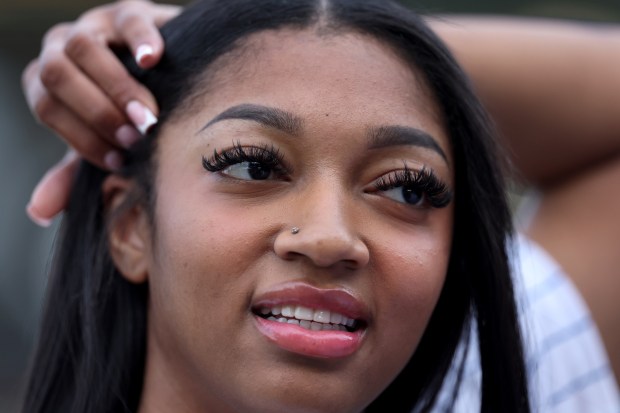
267, 155
435, 191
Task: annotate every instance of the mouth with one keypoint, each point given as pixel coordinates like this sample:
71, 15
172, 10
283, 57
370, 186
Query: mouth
310, 319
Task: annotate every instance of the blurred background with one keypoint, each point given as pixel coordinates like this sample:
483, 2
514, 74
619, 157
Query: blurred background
27, 150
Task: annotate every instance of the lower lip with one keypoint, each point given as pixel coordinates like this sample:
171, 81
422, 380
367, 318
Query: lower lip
320, 344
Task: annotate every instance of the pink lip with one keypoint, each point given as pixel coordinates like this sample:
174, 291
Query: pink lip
321, 344
296, 293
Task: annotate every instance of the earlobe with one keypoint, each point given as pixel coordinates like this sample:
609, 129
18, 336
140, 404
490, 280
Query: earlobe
128, 229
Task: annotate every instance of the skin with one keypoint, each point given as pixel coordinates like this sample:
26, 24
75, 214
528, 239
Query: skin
558, 94
204, 350
551, 87
525, 71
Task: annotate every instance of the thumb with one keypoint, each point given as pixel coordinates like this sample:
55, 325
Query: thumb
51, 194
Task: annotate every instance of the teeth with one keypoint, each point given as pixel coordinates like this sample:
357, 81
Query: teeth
321, 316
288, 311
316, 326
316, 320
304, 313
335, 318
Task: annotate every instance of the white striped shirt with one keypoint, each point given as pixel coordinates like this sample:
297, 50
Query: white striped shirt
568, 369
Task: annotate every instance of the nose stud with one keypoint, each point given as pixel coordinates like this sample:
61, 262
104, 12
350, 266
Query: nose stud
294, 230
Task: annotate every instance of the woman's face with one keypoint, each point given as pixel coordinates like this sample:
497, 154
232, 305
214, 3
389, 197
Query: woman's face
333, 135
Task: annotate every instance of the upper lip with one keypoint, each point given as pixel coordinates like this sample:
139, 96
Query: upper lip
299, 293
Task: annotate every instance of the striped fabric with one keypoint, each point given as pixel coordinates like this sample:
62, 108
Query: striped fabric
567, 365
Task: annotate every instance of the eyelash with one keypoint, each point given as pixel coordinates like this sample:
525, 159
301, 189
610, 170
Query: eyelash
436, 192
267, 155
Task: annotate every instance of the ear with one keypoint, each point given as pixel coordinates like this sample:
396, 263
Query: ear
128, 228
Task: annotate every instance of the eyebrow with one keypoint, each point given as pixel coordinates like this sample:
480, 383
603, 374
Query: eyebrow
378, 137
268, 116
393, 135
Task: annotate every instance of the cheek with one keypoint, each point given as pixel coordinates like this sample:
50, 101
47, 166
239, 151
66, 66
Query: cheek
416, 277
198, 271
413, 270
200, 233
197, 230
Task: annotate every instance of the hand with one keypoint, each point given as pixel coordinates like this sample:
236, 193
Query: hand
79, 89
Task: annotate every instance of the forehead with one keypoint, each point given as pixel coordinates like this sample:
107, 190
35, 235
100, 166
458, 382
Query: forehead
352, 78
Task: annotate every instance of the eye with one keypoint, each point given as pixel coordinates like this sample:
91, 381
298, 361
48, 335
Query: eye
249, 171
406, 195
417, 188
252, 163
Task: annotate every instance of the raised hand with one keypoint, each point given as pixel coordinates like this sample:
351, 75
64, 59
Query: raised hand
78, 88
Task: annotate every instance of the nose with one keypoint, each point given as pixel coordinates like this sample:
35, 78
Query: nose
324, 231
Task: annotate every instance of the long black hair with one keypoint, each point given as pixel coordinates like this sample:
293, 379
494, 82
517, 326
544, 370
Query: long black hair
91, 351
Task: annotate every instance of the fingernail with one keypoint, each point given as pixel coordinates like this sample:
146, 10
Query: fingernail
36, 218
141, 116
113, 160
127, 135
143, 52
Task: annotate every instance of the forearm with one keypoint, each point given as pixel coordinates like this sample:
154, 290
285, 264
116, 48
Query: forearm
552, 87
554, 91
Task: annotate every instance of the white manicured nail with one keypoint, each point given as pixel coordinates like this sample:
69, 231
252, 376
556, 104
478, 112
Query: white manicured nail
141, 116
142, 52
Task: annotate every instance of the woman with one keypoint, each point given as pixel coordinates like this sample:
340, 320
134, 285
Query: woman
313, 162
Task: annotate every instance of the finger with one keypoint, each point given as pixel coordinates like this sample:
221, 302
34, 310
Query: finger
30, 74
78, 134
140, 30
69, 85
28, 78
106, 71
60, 119
51, 195
165, 13
54, 114
55, 34
143, 38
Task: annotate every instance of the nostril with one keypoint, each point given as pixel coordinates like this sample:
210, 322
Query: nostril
324, 245
351, 265
292, 255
